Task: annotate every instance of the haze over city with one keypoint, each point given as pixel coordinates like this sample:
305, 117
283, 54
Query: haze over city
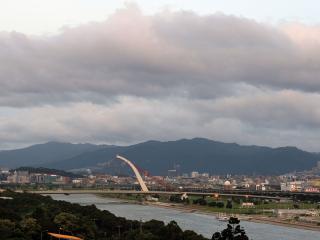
120, 72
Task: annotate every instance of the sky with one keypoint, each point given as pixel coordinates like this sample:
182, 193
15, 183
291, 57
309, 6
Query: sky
119, 72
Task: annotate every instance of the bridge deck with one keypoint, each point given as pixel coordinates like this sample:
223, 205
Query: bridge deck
155, 192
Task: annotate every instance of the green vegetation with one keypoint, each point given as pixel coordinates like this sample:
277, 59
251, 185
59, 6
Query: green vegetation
232, 232
234, 205
223, 204
28, 216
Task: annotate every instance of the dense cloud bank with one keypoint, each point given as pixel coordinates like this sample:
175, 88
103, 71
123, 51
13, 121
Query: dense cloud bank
165, 76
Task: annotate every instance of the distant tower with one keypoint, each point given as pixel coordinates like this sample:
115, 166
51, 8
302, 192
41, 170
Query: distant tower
177, 168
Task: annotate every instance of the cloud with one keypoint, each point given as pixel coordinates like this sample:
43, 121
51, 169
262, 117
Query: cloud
272, 119
168, 53
173, 74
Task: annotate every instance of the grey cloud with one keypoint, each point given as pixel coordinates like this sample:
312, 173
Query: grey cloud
171, 75
171, 53
247, 120
283, 110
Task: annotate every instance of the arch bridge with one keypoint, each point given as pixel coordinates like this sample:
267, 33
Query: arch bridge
143, 186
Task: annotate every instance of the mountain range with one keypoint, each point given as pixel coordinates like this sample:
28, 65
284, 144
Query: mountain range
157, 157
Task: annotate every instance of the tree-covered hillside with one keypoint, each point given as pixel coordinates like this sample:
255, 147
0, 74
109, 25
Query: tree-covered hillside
42, 154
157, 157
28, 216
201, 155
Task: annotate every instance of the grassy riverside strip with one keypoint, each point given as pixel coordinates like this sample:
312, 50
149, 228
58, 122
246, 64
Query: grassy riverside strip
260, 214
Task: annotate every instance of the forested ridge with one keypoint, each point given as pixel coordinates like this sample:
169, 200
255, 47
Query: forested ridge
197, 154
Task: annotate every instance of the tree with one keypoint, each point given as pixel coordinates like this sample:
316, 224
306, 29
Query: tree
66, 221
136, 235
191, 235
173, 231
232, 232
220, 204
212, 204
200, 201
229, 204
176, 198
25, 215
30, 227
155, 227
6, 228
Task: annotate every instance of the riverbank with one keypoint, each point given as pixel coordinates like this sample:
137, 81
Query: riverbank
250, 218
204, 224
191, 208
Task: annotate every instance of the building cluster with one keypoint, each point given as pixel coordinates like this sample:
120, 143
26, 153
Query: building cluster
24, 177
301, 185
305, 181
193, 181
198, 181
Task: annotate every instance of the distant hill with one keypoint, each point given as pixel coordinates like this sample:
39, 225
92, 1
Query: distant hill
198, 154
89, 159
42, 154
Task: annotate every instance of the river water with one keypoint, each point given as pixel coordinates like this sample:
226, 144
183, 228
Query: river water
200, 223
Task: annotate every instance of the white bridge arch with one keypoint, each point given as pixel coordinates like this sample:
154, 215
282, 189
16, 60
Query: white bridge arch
136, 172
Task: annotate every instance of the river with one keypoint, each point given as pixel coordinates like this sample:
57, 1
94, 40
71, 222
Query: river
200, 223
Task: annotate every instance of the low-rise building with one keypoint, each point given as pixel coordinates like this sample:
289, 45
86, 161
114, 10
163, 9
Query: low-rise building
194, 174
295, 186
20, 177
247, 204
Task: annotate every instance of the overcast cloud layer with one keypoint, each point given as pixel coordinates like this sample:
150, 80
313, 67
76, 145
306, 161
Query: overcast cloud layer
168, 76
